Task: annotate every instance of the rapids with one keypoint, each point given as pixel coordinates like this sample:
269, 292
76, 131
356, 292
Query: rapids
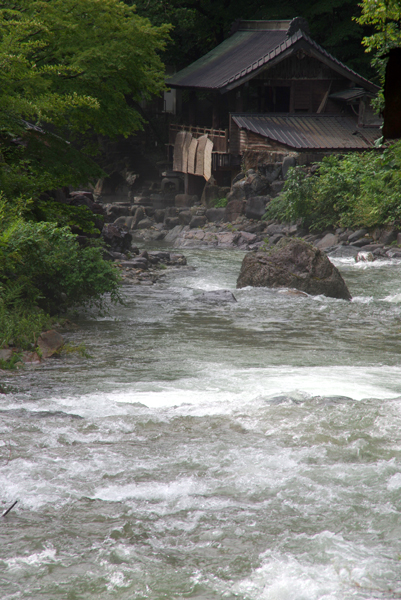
247, 451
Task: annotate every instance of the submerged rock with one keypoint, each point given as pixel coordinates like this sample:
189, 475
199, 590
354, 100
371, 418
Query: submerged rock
293, 263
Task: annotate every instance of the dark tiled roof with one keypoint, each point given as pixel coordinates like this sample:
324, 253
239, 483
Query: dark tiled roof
248, 50
310, 132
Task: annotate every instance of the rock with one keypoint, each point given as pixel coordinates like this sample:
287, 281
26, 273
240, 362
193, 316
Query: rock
288, 163
233, 210
171, 222
388, 236
144, 224
160, 214
213, 192
50, 343
173, 234
357, 235
226, 240
256, 207
370, 247
364, 257
329, 240
271, 171
238, 177
274, 239
258, 183
364, 241
185, 200
276, 188
217, 296
184, 218
247, 237
124, 222
138, 215
344, 252
118, 210
30, 357
393, 253
215, 215
116, 238
293, 263
274, 228
6, 353
198, 221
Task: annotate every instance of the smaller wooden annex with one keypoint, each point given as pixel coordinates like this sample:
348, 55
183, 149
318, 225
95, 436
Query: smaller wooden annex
267, 89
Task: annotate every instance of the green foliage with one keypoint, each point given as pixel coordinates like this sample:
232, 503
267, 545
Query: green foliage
384, 17
77, 65
356, 190
49, 268
10, 364
73, 69
221, 203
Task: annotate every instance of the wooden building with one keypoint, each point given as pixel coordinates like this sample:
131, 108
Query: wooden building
268, 88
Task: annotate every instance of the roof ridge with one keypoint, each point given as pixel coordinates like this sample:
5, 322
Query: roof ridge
290, 41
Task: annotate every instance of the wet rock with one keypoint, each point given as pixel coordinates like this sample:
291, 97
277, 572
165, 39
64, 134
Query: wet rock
171, 222
393, 253
293, 263
388, 236
184, 218
197, 221
233, 210
364, 241
344, 252
6, 353
274, 228
173, 234
124, 222
256, 207
353, 237
364, 257
159, 215
116, 238
274, 239
144, 224
288, 163
138, 215
50, 343
215, 215
217, 296
276, 188
226, 240
330, 239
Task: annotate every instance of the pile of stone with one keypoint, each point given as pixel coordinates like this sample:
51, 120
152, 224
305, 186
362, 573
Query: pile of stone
146, 267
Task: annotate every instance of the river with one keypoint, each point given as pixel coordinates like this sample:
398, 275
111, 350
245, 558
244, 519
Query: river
247, 451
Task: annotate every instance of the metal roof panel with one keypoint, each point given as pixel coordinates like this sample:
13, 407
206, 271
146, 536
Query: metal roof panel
310, 132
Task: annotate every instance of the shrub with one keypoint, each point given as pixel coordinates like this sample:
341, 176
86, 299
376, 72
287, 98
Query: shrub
356, 190
49, 268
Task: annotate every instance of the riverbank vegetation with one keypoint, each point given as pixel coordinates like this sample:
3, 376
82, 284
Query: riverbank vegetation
70, 72
356, 190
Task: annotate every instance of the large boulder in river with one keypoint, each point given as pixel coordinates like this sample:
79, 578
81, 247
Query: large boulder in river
293, 263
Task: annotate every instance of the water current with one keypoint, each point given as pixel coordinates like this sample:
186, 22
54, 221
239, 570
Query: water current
247, 450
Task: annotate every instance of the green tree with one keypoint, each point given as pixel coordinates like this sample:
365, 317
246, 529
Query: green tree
78, 65
385, 17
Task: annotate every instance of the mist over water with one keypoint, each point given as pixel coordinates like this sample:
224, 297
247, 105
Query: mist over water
247, 451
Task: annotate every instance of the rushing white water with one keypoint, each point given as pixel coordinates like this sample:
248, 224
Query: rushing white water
247, 450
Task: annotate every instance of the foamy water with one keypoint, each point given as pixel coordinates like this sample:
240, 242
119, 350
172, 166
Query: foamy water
248, 450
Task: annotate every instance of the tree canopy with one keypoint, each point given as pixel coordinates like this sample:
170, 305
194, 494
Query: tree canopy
77, 65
